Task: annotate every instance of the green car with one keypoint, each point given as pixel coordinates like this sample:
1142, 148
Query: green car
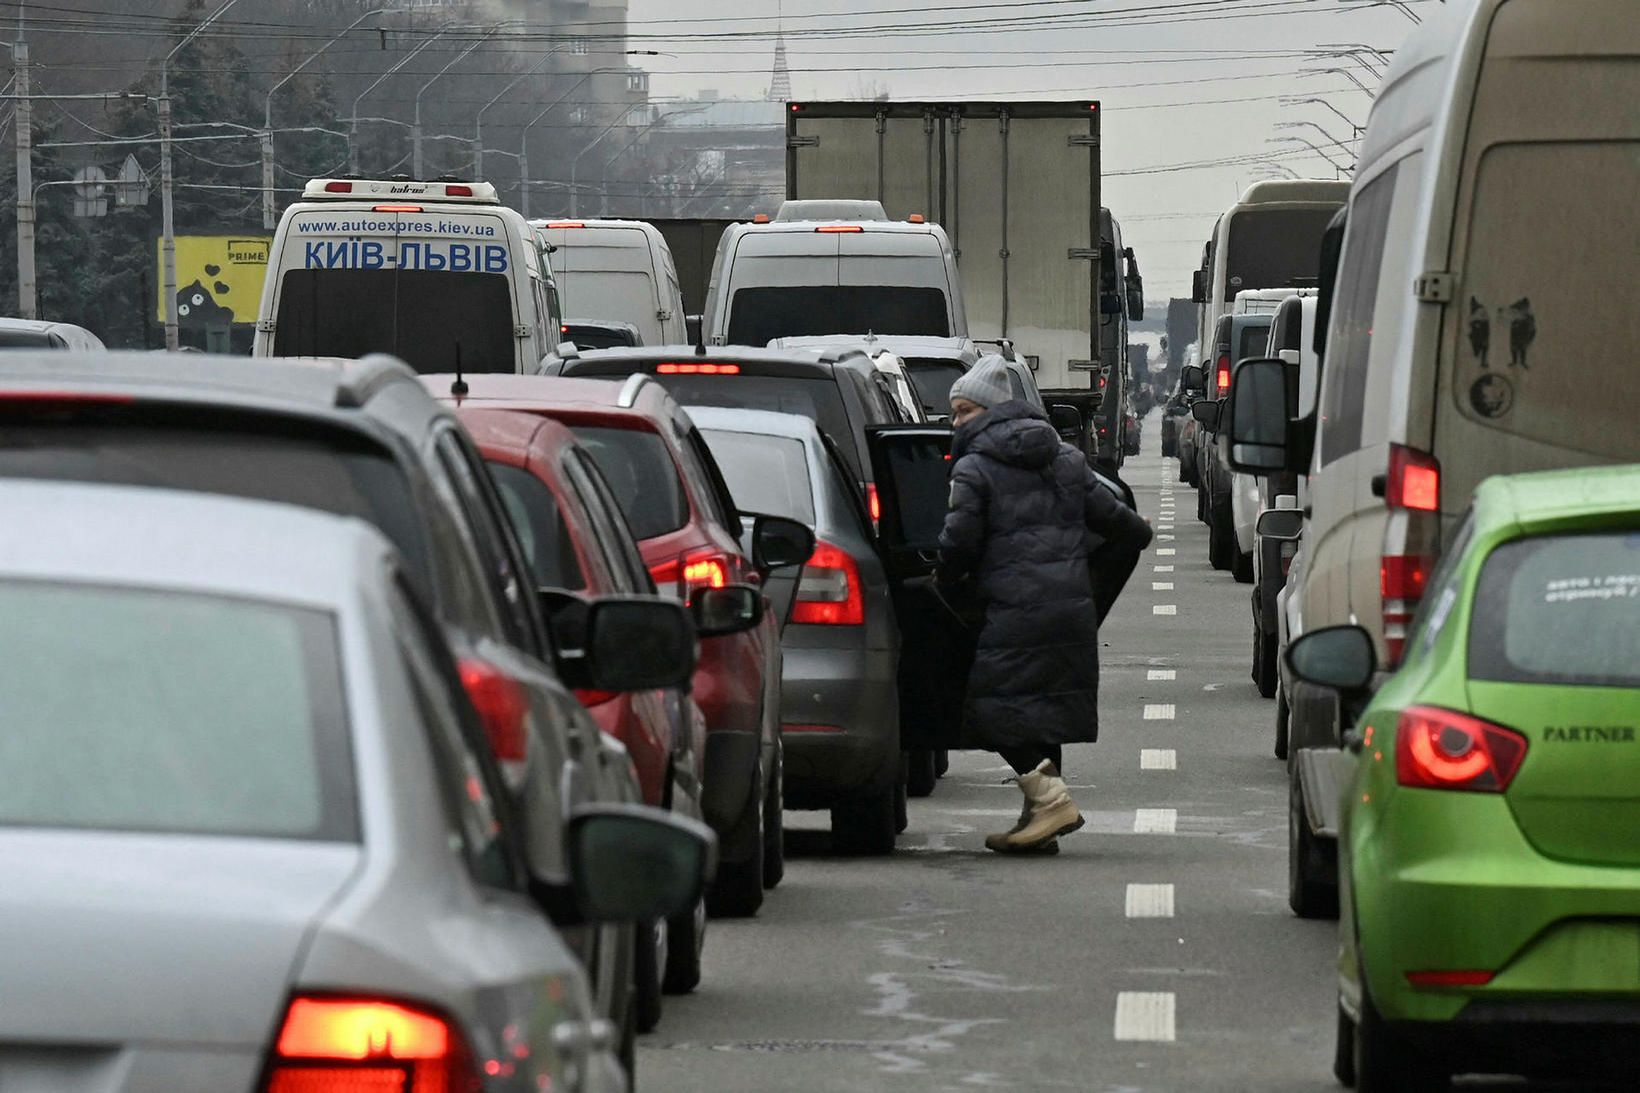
1489, 833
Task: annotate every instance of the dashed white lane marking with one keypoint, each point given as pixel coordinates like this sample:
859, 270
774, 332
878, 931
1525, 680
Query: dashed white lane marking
1159, 711
1158, 759
1164, 569
1155, 821
1166, 552
1155, 674
1149, 901
1145, 1016
1161, 586
1165, 538
1165, 609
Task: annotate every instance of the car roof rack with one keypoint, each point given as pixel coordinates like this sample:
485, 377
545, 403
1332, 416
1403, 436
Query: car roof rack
631, 389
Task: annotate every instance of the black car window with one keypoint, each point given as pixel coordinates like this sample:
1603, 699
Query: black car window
757, 316
468, 782
619, 553
1254, 340
932, 379
1344, 380
435, 321
1559, 609
636, 464
543, 532
508, 579
1274, 248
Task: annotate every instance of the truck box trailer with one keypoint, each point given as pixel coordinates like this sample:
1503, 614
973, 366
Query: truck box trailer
1016, 186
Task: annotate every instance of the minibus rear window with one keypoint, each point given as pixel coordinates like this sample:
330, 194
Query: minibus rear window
434, 320
760, 315
1275, 248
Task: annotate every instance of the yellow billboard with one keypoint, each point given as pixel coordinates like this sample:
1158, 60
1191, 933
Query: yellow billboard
219, 278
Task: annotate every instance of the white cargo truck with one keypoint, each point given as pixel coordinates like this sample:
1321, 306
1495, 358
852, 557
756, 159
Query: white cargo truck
1016, 188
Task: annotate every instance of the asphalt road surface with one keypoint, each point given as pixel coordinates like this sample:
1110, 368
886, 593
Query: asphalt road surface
1154, 953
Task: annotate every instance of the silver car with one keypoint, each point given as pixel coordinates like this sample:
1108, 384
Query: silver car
251, 831
840, 708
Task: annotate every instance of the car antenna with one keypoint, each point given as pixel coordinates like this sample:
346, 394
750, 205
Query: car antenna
700, 342
459, 388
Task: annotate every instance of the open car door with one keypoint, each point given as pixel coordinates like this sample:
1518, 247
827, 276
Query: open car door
911, 465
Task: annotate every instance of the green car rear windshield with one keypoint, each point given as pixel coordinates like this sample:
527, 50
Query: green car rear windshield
1560, 609
144, 710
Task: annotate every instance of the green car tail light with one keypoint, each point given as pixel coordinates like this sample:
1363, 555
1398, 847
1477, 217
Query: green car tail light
1444, 749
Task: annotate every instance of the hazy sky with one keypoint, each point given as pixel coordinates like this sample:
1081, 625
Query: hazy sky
1202, 54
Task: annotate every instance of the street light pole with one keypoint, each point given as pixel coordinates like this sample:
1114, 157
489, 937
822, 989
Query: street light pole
524, 136
415, 129
352, 145
28, 297
268, 219
478, 120
168, 226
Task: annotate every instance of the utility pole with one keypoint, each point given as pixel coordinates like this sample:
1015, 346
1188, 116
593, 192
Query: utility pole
28, 305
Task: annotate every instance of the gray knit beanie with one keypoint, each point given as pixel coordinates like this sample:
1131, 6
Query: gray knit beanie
985, 385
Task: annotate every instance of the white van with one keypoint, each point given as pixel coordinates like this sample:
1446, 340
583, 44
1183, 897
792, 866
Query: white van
438, 274
1493, 211
806, 277
1270, 238
617, 270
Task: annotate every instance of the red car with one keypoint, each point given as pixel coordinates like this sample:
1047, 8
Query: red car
688, 531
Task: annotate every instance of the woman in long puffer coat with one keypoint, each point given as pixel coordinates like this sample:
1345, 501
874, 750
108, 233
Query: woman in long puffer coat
1025, 512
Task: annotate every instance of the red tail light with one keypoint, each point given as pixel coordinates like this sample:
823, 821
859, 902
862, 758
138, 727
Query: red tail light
839, 229
338, 187
1221, 378
565, 224
700, 569
828, 592
360, 1045
1401, 580
397, 209
1443, 749
502, 707
1414, 480
874, 502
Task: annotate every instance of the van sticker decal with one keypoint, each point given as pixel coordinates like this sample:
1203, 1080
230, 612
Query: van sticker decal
429, 255
1480, 330
1522, 330
1492, 395
198, 310
400, 226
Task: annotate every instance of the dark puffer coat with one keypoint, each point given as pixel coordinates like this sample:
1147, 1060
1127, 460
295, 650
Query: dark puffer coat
1025, 511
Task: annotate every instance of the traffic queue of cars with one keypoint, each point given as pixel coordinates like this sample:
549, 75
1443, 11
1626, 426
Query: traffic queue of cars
434, 696
1458, 631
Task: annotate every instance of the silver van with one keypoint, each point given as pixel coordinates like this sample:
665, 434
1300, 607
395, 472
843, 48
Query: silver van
616, 271
795, 278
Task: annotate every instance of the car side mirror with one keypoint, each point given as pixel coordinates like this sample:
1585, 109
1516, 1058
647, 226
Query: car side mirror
1337, 657
1191, 377
779, 543
1256, 416
634, 863
732, 609
631, 643
1067, 420
1284, 525
1198, 287
1207, 413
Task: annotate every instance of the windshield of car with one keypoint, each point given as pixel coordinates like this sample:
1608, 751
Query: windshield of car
546, 538
766, 474
932, 380
332, 472
433, 320
161, 711
759, 315
1275, 248
1560, 609
640, 471
814, 397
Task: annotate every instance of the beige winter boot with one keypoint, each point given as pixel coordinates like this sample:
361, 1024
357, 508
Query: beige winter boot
1049, 813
